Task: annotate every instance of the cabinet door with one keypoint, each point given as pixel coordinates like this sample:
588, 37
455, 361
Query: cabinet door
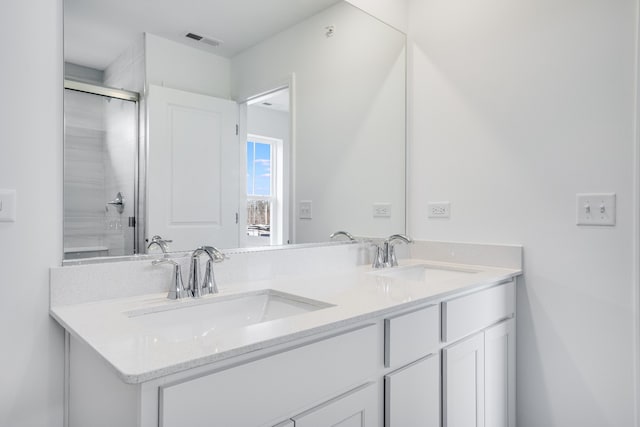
356, 408
463, 383
500, 374
412, 395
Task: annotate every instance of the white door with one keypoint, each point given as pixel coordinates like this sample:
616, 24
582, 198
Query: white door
412, 395
500, 375
193, 163
357, 408
463, 383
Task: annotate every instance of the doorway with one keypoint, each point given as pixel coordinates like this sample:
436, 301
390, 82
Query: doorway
268, 174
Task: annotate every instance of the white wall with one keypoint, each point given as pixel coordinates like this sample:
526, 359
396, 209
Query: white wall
178, 66
393, 12
31, 162
348, 117
515, 108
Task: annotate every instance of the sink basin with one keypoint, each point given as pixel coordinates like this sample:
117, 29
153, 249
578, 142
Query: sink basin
213, 314
426, 272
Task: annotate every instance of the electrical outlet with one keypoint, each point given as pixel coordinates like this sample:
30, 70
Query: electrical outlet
596, 209
382, 210
305, 209
439, 209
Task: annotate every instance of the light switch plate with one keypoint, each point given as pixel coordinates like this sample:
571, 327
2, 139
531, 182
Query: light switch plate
305, 209
7, 205
382, 210
596, 209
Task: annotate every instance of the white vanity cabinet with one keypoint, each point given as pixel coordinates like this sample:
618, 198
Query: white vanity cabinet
478, 371
448, 362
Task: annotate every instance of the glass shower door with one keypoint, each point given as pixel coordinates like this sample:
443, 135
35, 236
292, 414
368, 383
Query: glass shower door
100, 192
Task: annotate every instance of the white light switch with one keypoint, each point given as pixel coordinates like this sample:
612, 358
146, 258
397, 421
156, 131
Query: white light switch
382, 210
596, 209
7, 205
305, 209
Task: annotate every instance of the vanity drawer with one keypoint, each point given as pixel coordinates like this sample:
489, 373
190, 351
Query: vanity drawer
471, 313
411, 336
273, 387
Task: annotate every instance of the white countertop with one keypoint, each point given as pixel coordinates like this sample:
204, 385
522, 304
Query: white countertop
140, 353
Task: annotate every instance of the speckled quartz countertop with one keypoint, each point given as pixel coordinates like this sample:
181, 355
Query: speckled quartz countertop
142, 351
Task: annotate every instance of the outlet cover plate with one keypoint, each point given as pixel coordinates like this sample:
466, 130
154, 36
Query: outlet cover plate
382, 210
596, 209
439, 209
305, 209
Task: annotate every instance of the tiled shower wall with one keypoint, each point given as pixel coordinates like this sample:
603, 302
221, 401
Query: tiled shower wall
84, 195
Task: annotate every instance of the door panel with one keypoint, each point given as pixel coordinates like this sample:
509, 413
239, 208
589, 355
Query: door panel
463, 383
412, 395
357, 408
193, 164
500, 375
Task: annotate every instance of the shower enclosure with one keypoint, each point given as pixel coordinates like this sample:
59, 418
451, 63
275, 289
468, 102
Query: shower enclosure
100, 171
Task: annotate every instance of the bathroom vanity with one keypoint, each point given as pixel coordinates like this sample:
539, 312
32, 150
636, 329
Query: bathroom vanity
428, 343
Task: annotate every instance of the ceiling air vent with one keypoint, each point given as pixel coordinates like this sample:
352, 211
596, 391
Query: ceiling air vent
202, 39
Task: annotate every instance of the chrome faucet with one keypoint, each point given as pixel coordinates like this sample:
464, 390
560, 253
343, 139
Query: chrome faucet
342, 233
162, 243
209, 285
385, 255
177, 290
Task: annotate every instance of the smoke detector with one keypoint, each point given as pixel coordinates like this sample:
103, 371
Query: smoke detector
204, 39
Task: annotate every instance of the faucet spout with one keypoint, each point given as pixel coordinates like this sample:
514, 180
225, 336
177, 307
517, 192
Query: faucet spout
208, 284
400, 237
342, 233
163, 244
194, 274
390, 251
385, 255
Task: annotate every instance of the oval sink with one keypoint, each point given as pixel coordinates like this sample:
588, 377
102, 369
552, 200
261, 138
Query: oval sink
426, 272
217, 313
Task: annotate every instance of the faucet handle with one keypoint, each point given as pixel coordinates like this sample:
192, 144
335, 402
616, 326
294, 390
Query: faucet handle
177, 290
378, 257
209, 285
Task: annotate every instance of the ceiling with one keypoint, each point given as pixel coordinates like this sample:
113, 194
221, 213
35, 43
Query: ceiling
97, 31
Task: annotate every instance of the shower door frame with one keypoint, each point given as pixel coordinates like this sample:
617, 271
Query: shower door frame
139, 184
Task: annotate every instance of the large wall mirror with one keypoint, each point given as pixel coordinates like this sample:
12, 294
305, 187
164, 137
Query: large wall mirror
229, 123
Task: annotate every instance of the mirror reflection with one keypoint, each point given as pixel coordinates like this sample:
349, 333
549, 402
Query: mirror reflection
235, 124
